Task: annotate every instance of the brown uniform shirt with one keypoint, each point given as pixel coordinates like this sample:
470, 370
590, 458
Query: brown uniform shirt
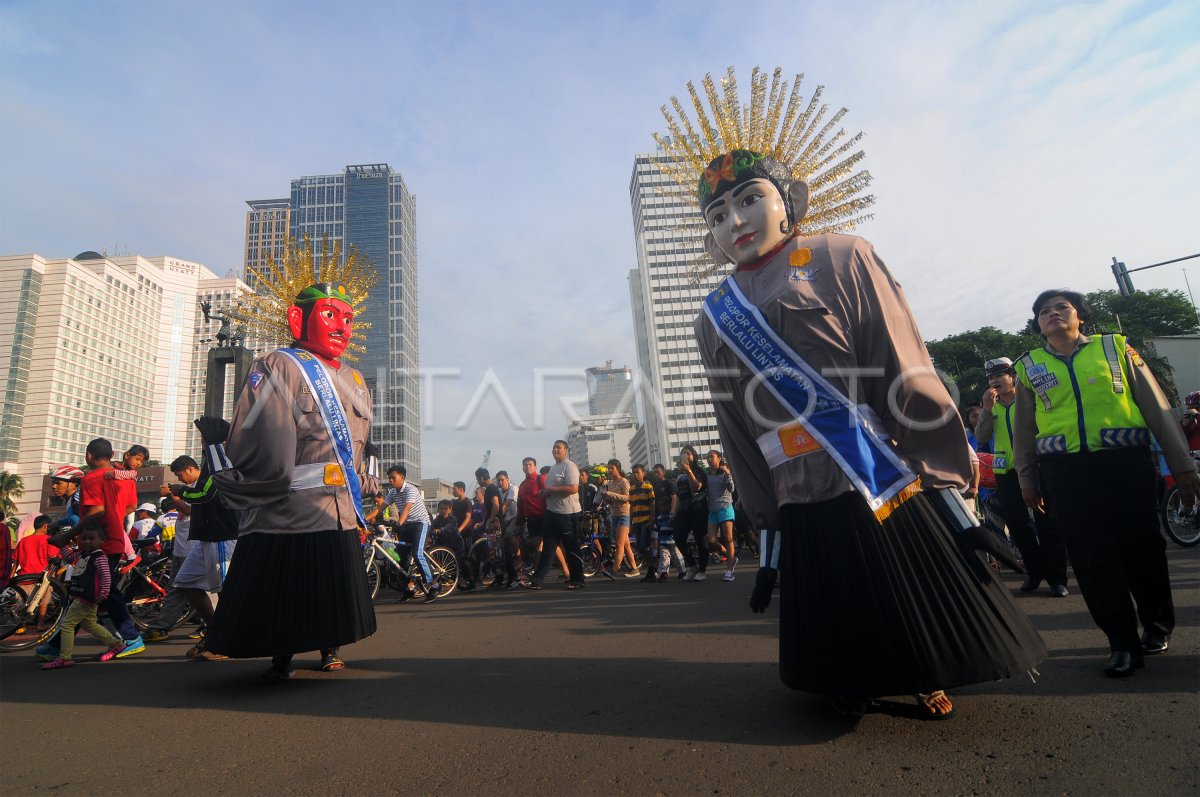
1146, 394
846, 316
277, 426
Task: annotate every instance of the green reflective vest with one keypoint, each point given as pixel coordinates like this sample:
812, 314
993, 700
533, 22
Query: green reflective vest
1002, 434
1083, 403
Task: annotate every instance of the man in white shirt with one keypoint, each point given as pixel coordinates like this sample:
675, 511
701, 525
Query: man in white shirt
413, 521
561, 524
144, 519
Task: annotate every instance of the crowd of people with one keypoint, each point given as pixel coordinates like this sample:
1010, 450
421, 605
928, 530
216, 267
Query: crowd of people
640, 521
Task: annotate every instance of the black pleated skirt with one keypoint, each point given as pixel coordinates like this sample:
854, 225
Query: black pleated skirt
292, 593
870, 609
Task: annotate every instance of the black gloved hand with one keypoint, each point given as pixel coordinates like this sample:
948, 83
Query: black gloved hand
764, 583
214, 431
370, 450
980, 539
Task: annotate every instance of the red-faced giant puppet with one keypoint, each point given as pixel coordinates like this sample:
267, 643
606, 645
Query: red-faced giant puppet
321, 321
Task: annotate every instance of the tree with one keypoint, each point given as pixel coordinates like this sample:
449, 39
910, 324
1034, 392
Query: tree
961, 357
11, 486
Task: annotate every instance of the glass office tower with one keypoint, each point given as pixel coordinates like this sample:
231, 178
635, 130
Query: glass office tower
369, 206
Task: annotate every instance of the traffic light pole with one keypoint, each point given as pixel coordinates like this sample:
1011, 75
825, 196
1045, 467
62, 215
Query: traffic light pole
1125, 285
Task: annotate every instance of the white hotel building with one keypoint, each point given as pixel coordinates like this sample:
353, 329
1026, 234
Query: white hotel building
674, 404
99, 347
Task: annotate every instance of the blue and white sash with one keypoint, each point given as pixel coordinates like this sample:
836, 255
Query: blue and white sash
335, 420
824, 418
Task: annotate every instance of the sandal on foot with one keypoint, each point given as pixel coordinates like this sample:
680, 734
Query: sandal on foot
331, 663
931, 705
275, 674
574, 585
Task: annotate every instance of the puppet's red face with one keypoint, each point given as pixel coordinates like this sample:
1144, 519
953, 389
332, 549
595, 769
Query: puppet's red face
328, 329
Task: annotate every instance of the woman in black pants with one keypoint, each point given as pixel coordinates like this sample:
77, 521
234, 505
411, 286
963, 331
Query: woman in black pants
691, 513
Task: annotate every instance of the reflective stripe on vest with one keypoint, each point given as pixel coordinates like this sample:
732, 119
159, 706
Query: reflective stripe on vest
1082, 401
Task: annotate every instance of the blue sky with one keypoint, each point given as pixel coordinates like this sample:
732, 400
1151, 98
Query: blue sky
1014, 145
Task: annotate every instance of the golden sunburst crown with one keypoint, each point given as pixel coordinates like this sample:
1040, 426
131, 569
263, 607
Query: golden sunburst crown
777, 123
263, 314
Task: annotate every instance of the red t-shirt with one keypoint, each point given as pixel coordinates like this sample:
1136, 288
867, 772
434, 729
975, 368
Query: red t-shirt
34, 552
529, 503
117, 496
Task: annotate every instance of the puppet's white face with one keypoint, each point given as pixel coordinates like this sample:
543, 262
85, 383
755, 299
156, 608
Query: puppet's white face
748, 220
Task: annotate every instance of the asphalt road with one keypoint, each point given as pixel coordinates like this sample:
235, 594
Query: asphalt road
621, 688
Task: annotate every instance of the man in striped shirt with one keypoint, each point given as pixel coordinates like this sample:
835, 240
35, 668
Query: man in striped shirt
413, 521
641, 515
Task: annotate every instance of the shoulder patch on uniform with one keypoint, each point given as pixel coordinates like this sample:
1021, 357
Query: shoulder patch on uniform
1134, 357
255, 379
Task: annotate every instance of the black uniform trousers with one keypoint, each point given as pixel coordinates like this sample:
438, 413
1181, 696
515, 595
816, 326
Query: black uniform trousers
1042, 547
559, 529
1106, 505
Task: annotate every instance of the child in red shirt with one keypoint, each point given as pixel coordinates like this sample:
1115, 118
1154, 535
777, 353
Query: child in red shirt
34, 552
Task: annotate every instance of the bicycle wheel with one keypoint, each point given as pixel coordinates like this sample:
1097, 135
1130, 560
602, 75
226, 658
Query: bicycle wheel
445, 568
1181, 526
372, 572
145, 589
591, 559
20, 626
486, 571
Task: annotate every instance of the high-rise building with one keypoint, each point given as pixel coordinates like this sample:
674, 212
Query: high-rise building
609, 390
101, 347
639, 449
267, 224
595, 439
370, 207
673, 399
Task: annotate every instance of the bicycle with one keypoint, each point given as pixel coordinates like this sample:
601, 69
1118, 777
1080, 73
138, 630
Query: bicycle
595, 544
145, 586
486, 558
379, 546
1182, 526
32, 607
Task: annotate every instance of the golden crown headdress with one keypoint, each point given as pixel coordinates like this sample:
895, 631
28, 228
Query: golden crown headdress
263, 314
778, 124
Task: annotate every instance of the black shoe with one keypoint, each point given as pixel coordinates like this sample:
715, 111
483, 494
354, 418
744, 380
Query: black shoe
650, 576
433, 592
1030, 584
1121, 664
1154, 644
1059, 590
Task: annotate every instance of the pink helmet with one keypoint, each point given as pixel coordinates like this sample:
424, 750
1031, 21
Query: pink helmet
67, 473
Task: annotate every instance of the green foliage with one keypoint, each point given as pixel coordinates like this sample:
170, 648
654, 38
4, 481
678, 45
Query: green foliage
11, 486
961, 357
1144, 315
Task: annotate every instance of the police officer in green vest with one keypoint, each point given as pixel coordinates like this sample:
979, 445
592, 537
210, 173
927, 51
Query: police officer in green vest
1086, 408
1039, 539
